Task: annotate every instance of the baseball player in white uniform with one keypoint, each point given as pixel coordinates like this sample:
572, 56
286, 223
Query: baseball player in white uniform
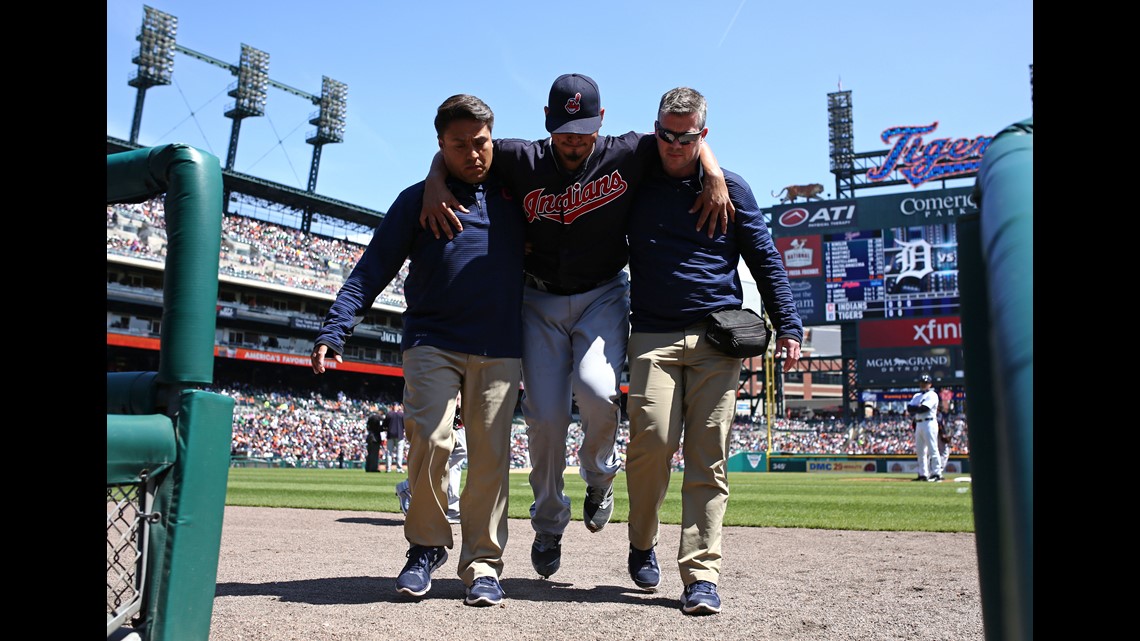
923, 409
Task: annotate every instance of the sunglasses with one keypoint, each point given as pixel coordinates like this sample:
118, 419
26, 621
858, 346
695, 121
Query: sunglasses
670, 137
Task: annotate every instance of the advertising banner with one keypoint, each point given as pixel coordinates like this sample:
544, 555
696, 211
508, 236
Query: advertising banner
903, 209
841, 466
747, 462
911, 467
301, 322
900, 366
911, 332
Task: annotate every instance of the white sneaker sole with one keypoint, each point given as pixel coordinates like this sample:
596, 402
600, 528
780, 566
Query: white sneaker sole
702, 608
482, 601
410, 592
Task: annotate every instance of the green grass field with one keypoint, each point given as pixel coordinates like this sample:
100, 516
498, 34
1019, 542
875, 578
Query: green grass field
884, 502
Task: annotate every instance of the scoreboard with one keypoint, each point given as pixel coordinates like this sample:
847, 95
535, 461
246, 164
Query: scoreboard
886, 268
890, 256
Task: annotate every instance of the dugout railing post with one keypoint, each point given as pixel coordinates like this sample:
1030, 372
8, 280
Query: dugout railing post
996, 281
168, 440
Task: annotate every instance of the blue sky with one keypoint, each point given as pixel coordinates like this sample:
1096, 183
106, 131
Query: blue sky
765, 67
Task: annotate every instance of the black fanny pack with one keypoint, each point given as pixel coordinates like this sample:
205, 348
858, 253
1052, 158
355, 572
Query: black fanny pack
738, 332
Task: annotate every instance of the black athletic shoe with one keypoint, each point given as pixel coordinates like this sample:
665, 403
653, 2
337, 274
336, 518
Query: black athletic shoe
937, 478
700, 597
598, 507
643, 568
920, 478
546, 554
484, 591
415, 578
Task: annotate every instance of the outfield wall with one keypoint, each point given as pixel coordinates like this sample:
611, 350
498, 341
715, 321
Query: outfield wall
837, 463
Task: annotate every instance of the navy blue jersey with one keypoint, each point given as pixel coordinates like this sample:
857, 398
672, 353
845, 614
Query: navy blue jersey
464, 294
575, 221
678, 275
394, 425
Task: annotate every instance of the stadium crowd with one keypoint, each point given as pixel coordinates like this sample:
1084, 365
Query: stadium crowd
251, 249
311, 430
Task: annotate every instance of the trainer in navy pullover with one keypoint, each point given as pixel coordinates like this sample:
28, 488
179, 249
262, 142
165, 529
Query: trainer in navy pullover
673, 286
449, 304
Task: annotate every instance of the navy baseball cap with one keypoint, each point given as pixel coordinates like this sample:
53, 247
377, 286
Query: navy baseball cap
575, 105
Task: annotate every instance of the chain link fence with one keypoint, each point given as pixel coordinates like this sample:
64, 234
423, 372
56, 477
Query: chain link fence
127, 519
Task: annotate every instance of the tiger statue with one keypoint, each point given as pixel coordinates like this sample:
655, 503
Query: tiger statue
806, 192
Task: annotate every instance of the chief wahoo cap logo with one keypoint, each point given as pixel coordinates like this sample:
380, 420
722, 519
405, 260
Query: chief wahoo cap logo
574, 104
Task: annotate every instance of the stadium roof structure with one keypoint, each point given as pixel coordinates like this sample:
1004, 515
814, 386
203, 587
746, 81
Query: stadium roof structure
291, 197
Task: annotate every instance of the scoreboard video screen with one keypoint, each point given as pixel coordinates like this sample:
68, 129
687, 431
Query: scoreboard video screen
892, 256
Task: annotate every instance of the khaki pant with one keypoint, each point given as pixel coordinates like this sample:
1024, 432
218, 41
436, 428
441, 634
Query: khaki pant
432, 379
679, 384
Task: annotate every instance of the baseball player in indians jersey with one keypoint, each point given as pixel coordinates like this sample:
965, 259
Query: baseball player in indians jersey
923, 409
576, 189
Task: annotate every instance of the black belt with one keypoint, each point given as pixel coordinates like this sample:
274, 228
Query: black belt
552, 288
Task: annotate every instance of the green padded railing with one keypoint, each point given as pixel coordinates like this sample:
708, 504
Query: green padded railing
996, 279
165, 434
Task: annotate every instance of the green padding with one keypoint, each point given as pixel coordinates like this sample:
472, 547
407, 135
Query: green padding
131, 393
996, 281
1005, 185
183, 598
136, 444
192, 182
985, 460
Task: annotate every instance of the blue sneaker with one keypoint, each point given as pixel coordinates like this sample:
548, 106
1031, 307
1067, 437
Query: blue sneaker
700, 598
415, 578
484, 591
643, 568
546, 554
598, 507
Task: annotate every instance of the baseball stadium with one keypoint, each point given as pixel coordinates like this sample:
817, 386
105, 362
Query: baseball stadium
218, 282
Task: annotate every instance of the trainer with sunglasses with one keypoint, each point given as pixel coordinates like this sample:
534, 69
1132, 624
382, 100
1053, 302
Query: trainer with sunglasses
576, 189
680, 384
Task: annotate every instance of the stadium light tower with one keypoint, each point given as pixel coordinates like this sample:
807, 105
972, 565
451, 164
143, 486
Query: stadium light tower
330, 128
249, 93
329, 121
841, 139
155, 59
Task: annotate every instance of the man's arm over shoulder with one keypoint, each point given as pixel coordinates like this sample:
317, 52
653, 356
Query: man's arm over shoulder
512, 156
437, 213
714, 204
